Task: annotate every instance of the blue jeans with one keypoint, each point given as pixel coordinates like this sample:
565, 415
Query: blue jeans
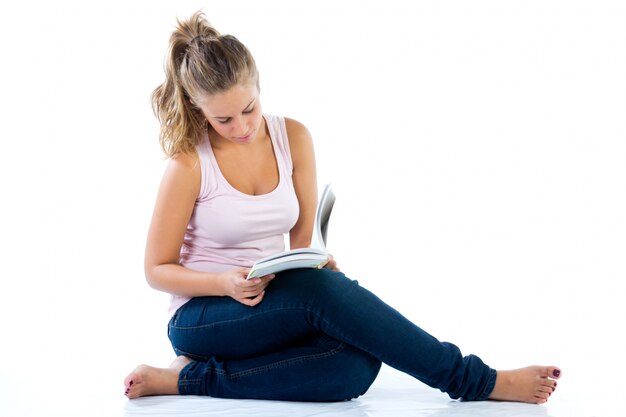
316, 336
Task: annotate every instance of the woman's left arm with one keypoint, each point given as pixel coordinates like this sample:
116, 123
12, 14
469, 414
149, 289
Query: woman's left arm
304, 181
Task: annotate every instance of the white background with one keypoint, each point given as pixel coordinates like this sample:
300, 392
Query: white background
477, 150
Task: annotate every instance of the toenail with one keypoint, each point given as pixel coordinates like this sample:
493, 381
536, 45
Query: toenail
556, 373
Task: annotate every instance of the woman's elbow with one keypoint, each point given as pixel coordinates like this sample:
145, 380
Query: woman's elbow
152, 277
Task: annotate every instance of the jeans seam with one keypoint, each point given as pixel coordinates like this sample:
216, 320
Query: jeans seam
189, 381
285, 362
183, 380
184, 383
174, 325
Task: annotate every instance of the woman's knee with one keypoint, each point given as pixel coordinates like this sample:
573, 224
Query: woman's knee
358, 374
369, 372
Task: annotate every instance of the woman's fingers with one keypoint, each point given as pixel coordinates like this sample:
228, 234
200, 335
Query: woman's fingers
251, 302
251, 292
331, 264
249, 283
256, 300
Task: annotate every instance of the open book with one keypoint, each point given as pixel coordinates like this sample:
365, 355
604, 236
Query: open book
312, 257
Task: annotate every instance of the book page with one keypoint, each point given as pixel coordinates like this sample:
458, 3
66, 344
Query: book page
322, 216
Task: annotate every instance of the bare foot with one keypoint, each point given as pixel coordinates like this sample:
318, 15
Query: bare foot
533, 384
147, 380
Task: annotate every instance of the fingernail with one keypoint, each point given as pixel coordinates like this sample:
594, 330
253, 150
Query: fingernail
556, 373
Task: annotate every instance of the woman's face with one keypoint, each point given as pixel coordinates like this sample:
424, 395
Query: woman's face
234, 114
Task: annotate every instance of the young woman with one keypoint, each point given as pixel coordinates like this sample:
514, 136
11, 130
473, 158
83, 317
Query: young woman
237, 181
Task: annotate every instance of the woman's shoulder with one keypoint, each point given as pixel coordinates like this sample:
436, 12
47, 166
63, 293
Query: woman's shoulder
183, 167
300, 141
185, 160
295, 127
180, 183
297, 133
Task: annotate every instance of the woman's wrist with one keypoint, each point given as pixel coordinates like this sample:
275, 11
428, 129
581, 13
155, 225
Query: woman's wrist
218, 284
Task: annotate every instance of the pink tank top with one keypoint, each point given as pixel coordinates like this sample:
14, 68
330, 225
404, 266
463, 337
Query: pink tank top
229, 229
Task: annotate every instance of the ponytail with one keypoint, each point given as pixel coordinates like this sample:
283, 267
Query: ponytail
199, 62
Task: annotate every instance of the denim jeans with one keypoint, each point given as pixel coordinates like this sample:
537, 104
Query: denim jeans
316, 336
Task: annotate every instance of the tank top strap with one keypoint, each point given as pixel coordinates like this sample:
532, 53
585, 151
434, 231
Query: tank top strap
278, 132
208, 173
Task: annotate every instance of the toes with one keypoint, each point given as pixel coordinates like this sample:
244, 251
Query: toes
549, 383
132, 391
548, 371
542, 395
545, 390
129, 381
553, 372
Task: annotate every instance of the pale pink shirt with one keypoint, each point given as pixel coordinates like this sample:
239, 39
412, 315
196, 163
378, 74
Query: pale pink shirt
229, 229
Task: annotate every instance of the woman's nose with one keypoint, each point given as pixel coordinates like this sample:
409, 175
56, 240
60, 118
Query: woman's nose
241, 125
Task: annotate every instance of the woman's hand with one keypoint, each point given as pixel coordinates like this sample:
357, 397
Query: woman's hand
331, 264
248, 292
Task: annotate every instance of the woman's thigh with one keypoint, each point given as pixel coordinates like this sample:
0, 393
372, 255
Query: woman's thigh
220, 326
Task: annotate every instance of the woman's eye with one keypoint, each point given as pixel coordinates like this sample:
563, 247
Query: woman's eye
227, 120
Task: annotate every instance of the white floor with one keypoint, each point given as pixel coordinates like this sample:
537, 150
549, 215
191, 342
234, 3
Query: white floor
392, 395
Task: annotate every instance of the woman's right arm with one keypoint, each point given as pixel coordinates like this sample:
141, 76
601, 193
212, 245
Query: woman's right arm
174, 205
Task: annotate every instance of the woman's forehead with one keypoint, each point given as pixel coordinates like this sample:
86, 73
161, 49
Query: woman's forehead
234, 100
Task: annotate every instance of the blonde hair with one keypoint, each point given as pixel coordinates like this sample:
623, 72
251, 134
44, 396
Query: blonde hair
199, 62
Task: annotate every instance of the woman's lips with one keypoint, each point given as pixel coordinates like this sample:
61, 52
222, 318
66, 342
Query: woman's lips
244, 138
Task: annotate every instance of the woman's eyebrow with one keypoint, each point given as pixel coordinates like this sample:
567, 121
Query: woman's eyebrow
249, 104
